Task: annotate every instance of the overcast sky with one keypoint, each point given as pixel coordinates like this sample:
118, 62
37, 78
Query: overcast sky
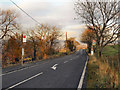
54, 12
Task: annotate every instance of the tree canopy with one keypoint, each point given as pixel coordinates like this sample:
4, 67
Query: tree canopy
102, 18
8, 22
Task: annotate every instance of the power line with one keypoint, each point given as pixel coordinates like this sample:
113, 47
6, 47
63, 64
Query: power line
25, 12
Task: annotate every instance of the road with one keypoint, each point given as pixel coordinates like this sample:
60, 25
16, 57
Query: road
62, 72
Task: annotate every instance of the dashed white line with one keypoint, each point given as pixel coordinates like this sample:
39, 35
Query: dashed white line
25, 80
71, 59
65, 61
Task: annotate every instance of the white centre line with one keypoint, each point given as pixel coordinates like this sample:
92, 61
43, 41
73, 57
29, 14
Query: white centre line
65, 61
82, 77
71, 59
24, 80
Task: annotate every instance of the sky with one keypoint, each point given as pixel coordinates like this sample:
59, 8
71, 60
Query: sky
53, 12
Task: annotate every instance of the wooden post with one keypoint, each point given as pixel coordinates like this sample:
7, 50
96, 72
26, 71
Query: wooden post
66, 41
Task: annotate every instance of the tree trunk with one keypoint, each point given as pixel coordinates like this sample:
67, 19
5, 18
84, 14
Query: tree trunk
34, 52
89, 47
100, 53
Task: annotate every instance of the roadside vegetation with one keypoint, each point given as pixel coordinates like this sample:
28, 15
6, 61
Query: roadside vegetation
104, 72
42, 41
103, 31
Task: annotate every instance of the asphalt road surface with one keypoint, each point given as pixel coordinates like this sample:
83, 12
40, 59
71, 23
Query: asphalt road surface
63, 72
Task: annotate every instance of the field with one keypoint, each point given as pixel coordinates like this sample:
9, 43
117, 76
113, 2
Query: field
110, 50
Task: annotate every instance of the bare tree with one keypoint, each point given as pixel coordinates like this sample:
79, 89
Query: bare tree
86, 37
71, 44
43, 39
48, 36
7, 22
12, 49
102, 18
33, 42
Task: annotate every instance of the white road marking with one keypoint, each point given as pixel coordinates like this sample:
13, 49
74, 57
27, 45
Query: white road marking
82, 77
74, 58
17, 70
20, 69
65, 61
24, 80
54, 67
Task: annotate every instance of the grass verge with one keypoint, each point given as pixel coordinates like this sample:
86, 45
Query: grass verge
101, 75
104, 72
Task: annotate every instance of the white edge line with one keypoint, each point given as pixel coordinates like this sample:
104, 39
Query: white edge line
24, 80
82, 77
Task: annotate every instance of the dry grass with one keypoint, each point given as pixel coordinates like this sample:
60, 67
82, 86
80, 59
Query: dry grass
104, 76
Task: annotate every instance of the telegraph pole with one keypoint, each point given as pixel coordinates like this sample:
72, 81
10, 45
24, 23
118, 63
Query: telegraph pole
66, 41
119, 39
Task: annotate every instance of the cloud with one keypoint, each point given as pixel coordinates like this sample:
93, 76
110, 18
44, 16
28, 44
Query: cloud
48, 12
73, 30
54, 12
51, 12
45, 11
75, 27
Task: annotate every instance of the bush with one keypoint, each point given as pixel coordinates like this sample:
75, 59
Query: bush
16, 59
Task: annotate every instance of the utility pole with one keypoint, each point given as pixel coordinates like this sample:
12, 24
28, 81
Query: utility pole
66, 41
119, 39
